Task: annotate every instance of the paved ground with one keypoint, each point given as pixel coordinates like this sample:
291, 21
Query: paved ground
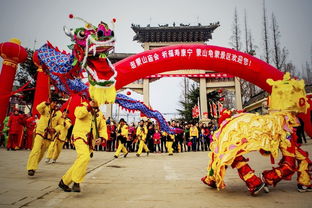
154, 181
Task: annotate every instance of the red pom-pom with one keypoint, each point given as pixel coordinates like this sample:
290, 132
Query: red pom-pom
222, 99
71, 16
114, 20
220, 91
128, 93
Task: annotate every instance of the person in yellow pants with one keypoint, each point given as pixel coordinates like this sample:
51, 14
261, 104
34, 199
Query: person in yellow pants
45, 130
169, 142
194, 134
56, 146
141, 133
122, 134
90, 125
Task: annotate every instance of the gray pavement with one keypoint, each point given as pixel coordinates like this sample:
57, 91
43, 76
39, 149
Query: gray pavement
158, 180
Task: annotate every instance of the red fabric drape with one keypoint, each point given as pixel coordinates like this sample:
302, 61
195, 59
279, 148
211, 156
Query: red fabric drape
71, 104
42, 91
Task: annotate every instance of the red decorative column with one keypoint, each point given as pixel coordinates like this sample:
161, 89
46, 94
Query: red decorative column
12, 53
42, 85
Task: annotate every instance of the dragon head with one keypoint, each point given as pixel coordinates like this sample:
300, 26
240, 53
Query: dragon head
90, 49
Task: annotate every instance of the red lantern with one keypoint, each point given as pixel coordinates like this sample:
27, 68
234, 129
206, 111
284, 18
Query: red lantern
128, 93
12, 53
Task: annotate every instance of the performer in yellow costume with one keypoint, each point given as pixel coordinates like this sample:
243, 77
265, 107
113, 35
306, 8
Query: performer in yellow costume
194, 136
141, 133
169, 142
122, 134
90, 128
45, 131
246, 132
56, 146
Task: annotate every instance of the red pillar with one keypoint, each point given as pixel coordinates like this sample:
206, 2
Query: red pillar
13, 54
42, 86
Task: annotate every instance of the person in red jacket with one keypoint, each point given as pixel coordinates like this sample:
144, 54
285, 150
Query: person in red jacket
30, 129
21, 138
15, 126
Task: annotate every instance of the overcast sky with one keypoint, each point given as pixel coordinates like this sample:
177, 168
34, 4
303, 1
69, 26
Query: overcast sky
43, 20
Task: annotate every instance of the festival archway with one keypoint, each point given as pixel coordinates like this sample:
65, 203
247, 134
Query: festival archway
204, 57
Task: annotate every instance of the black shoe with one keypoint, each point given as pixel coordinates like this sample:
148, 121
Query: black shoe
76, 187
31, 172
258, 189
302, 188
126, 154
137, 155
115, 156
63, 186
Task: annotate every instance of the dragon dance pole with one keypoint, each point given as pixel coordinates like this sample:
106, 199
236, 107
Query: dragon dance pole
42, 91
13, 54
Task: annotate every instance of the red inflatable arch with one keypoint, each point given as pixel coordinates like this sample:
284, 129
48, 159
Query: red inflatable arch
204, 57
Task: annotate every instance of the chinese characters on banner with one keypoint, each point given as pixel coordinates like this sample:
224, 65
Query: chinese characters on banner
206, 75
191, 52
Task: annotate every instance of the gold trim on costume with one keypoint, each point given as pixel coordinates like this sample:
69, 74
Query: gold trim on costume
10, 63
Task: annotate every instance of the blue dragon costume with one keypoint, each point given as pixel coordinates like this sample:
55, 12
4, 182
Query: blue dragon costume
87, 71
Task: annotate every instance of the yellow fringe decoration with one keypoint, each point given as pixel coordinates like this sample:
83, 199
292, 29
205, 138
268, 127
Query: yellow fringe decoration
103, 95
246, 133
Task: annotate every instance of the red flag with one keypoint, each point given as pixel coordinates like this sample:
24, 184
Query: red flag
195, 111
210, 110
215, 113
220, 107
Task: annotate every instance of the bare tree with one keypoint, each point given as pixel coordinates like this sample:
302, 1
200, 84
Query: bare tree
289, 67
246, 32
279, 53
311, 55
247, 88
236, 36
250, 43
309, 69
266, 37
308, 73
